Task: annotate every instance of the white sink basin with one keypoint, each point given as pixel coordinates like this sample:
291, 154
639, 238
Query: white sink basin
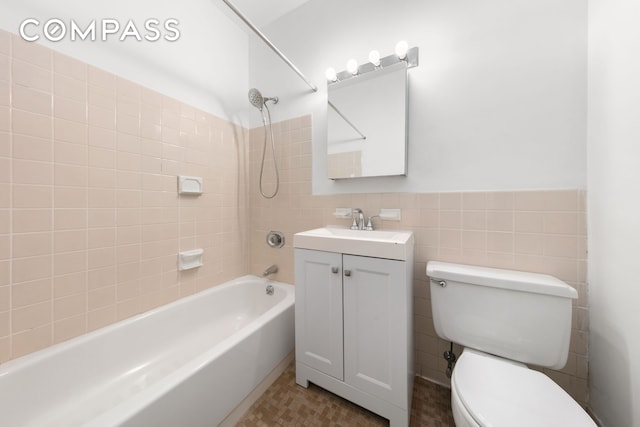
390, 244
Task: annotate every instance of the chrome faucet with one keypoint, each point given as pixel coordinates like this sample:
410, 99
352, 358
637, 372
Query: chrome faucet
357, 224
271, 270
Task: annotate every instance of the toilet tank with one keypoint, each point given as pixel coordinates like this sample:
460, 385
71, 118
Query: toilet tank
512, 314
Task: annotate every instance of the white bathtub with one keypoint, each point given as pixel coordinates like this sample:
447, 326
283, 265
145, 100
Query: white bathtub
188, 363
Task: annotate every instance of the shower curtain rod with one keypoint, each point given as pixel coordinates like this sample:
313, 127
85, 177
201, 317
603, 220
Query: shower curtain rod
271, 45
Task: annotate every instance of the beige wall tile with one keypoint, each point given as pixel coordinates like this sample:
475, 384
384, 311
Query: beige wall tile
474, 201
4, 272
30, 317
5, 322
70, 197
31, 100
29, 269
5, 119
31, 340
32, 244
69, 284
101, 217
450, 219
530, 200
69, 241
69, 67
531, 244
69, 219
101, 277
69, 262
32, 196
29, 75
5, 247
30, 124
101, 117
70, 131
32, 148
529, 222
474, 220
101, 198
5, 93
32, 220
500, 242
5, 42
5, 223
101, 258
33, 53
5, 170
5, 143
69, 327
70, 153
71, 88
101, 317
70, 175
5, 68
500, 221
69, 306
561, 223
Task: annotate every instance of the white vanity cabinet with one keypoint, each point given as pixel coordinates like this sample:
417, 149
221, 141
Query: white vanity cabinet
354, 335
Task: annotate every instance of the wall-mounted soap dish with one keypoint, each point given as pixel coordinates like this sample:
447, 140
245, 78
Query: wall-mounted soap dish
190, 259
189, 185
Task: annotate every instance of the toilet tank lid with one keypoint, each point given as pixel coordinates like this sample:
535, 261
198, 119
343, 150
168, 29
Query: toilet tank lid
498, 278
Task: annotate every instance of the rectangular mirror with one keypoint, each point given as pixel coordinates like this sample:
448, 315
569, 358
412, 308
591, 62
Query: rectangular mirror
367, 124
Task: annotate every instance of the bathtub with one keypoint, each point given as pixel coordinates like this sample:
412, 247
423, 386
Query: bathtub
189, 363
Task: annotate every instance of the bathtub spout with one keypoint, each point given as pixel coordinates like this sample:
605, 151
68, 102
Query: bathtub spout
271, 270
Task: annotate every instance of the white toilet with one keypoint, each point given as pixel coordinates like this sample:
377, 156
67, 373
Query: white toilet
505, 319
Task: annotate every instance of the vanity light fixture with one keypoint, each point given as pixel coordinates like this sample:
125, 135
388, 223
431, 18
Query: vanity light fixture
331, 75
374, 57
352, 66
401, 49
402, 54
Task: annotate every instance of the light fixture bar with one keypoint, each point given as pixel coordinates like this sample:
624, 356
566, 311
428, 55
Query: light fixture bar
411, 61
271, 45
346, 120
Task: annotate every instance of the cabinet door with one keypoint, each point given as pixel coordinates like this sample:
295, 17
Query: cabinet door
375, 326
318, 309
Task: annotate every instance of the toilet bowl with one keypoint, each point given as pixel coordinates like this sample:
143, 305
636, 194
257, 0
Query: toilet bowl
491, 391
505, 319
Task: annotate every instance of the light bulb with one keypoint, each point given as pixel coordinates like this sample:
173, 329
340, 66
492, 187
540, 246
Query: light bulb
352, 66
331, 75
374, 57
401, 49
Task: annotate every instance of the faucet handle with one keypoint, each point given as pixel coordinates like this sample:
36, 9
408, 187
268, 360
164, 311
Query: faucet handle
354, 223
369, 223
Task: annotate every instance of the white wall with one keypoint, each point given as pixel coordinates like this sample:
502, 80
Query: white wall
498, 101
207, 67
614, 210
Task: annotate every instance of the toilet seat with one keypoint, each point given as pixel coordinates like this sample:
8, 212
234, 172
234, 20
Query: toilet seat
496, 392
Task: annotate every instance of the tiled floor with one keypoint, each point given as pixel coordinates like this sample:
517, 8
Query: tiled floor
287, 404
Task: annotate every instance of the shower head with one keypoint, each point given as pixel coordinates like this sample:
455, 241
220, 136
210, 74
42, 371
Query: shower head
257, 100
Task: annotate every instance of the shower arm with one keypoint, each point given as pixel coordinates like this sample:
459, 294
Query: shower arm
271, 45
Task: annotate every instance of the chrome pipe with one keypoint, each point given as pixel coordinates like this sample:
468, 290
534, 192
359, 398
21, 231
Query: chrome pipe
271, 45
345, 119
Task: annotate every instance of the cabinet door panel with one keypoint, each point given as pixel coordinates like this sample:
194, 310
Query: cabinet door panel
318, 308
374, 317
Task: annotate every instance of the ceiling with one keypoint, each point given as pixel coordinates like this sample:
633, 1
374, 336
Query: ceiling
263, 12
